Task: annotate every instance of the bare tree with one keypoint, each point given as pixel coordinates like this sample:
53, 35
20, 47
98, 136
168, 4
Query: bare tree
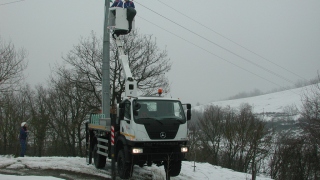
12, 64
258, 147
311, 112
68, 111
211, 125
13, 111
148, 65
310, 122
230, 146
240, 139
39, 119
295, 158
9, 125
193, 142
193, 136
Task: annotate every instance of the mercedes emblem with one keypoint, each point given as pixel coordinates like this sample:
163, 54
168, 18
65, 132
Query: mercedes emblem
163, 135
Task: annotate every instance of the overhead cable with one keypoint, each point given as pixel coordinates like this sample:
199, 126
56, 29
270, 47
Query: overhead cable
270, 71
210, 52
231, 40
10, 3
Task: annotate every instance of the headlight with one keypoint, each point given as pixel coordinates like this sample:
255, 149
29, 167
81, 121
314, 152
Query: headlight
184, 149
137, 150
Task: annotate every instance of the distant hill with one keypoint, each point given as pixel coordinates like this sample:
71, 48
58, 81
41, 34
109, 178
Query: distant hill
269, 105
280, 109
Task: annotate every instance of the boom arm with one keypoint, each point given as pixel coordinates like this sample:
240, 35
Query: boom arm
130, 83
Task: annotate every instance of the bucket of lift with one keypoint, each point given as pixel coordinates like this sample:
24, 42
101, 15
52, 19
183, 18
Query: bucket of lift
118, 19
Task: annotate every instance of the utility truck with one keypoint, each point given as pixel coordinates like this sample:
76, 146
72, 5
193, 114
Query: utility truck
145, 130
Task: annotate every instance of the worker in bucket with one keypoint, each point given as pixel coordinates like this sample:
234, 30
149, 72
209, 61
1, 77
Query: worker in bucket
125, 4
131, 13
23, 139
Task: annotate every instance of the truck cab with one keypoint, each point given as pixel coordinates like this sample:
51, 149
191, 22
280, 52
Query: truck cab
153, 130
149, 119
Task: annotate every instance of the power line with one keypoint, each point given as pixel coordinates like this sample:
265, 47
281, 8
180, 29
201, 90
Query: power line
10, 3
231, 40
211, 52
271, 72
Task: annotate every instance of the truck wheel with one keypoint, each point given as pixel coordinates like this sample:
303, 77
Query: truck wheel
99, 160
141, 164
174, 167
124, 169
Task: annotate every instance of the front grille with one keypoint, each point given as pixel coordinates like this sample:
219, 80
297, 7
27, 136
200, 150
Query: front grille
156, 135
165, 131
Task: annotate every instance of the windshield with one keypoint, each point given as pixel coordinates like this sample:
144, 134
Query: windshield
159, 110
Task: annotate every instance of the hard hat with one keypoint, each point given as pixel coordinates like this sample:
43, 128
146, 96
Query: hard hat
22, 124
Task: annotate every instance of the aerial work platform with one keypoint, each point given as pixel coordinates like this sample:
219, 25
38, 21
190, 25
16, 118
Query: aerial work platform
118, 19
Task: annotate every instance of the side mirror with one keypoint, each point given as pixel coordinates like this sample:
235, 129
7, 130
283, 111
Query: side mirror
188, 114
136, 107
188, 111
189, 106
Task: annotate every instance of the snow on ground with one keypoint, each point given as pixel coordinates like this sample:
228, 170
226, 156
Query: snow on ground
79, 165
208, 171
274, 102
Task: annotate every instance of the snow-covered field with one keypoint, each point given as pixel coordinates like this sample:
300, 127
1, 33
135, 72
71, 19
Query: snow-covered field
79, 165
274, 102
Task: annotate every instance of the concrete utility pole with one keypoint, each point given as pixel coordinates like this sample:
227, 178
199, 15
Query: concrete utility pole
106, 80
106, 64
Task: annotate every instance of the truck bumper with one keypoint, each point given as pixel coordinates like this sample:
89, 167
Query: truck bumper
158, 151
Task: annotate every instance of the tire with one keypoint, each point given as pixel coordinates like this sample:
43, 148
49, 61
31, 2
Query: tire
99, 160
174, 167
124, 169
141, 164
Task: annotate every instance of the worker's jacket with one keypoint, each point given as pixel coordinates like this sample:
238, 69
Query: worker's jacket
119, 3
23, 134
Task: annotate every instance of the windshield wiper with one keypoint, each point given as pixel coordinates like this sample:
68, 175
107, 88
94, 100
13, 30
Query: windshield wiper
148, 118
159, 121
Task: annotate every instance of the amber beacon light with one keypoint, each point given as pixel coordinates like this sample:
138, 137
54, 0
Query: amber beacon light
160, 91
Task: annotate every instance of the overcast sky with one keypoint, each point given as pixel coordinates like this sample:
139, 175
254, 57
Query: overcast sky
227, 47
